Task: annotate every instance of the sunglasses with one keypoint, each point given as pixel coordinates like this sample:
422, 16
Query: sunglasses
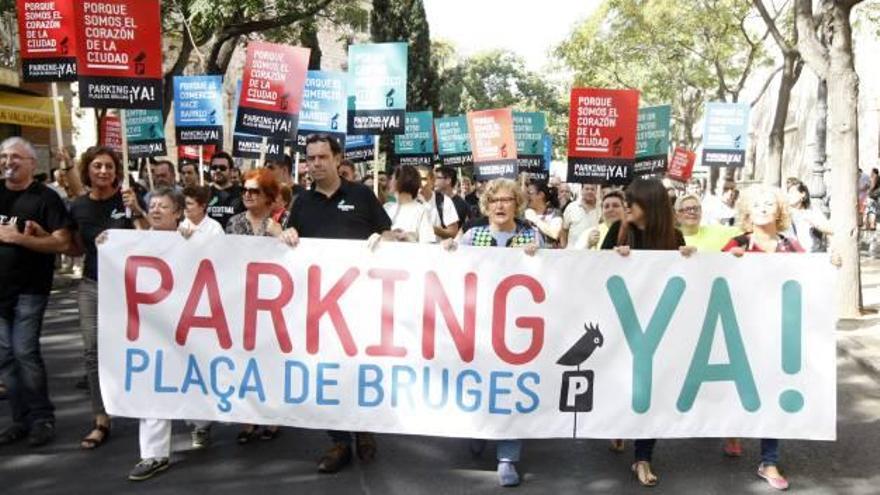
254, 191
219, 168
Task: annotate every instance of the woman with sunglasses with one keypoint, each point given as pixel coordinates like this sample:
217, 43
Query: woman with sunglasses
258, 194
648, 224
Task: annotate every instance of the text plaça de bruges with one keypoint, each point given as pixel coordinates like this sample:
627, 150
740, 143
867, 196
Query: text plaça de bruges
496, 392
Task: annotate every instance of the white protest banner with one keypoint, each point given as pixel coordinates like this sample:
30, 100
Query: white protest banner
478, 342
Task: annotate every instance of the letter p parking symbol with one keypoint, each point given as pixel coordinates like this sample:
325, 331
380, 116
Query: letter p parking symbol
577, 391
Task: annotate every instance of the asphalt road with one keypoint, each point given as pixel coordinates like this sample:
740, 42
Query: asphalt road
414, 465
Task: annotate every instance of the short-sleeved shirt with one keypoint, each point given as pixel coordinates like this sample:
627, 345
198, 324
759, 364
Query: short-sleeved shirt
240, 225
412, 218
208, 227
352, 212
441, 218
224, 203
577, 219
711, 238
23, 271
90, 218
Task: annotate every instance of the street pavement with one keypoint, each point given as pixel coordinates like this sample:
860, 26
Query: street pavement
422, 465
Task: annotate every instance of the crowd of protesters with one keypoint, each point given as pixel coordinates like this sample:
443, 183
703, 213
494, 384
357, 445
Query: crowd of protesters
423, 205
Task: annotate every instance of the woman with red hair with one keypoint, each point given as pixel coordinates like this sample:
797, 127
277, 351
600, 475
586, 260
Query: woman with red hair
259, 194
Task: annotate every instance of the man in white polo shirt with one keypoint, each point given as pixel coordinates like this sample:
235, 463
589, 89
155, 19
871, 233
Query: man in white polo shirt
580, 215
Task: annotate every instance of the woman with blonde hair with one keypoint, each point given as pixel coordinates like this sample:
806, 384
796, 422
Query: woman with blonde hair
503, 202
763, 216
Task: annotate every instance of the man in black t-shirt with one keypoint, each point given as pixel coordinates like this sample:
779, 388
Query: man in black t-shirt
26, 269
225, 196
335, 208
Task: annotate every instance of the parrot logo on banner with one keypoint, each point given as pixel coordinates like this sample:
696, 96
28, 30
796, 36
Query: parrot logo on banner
577, 386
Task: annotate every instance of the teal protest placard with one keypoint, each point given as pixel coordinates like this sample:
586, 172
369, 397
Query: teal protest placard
146, 133
726, 134
453, 142
528, 128
416, 146
652, 140
377, 88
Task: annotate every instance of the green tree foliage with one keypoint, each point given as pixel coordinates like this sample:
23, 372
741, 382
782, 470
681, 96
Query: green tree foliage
405, 20
498, 79
217, 27
682, 53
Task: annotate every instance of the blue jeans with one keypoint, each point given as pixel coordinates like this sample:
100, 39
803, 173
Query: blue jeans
644, 449
508, 450
769, 451
21, 364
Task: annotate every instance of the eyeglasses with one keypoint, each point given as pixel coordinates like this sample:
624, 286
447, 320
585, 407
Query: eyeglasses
5, 157
693, 210
219, 168
255, 191
504, 200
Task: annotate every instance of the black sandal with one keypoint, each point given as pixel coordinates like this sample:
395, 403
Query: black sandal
270, 433
245, 436
93, 443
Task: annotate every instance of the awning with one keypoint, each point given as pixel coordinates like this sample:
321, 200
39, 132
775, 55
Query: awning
32, 111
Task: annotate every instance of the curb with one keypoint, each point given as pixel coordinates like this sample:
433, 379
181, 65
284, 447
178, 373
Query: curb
861, 355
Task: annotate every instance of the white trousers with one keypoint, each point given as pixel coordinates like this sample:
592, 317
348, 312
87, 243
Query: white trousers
155, 436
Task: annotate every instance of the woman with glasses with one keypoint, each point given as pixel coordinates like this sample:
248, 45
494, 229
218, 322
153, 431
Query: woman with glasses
707, 238
165, 214
503, 202
648, 224
259, 194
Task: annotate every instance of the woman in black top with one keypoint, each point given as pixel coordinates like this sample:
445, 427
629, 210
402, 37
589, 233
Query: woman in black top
105, 206
649, 223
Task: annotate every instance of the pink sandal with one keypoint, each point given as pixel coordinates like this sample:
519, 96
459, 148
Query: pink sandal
779, 483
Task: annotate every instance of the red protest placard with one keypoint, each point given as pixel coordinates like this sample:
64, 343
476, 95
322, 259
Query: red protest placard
192, 152
272, 90
602, 135
493, 143
111, 132
681, 167
120, 53
47, 37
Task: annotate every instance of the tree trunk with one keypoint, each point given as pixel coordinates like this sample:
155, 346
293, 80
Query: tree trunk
818, 189
776, 145
843, 100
